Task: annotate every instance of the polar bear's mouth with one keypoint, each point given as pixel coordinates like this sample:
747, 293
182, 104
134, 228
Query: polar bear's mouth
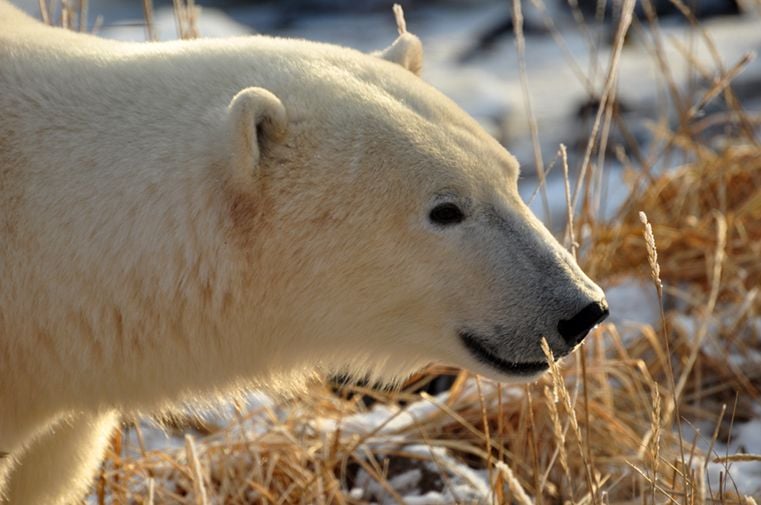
488, 357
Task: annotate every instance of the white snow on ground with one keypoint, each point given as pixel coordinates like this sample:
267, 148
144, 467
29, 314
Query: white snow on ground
384, 420
381, 430
464, 485
744, 476
381, 427
258, 405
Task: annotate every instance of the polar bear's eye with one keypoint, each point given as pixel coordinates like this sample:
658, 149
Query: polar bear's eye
446, 214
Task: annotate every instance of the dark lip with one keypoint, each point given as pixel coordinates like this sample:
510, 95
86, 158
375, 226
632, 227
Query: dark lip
484, 355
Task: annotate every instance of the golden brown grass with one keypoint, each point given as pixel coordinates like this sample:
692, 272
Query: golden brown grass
609, 426
685, 207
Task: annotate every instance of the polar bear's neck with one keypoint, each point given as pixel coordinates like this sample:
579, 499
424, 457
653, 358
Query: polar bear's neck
114, 256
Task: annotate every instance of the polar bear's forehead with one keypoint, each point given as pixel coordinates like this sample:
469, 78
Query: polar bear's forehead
383, 100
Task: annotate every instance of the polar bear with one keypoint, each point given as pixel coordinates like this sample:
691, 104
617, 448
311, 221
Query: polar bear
181, 220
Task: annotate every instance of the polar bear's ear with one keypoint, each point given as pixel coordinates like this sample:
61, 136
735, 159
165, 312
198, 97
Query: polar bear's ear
254, 116
407, 50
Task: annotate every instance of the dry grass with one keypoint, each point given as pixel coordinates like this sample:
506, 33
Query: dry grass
607, 428
684, 207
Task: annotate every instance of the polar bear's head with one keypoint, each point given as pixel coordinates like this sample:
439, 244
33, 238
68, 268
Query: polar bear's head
387, 227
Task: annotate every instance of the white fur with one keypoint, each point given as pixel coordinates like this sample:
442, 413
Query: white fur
181, 220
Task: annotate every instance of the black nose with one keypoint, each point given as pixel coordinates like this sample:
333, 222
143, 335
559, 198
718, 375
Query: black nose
575, 329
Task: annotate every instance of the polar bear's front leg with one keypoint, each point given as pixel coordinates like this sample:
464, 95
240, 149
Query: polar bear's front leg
58, 467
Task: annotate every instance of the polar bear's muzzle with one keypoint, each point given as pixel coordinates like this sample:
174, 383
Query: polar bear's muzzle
485, 354
486, 349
